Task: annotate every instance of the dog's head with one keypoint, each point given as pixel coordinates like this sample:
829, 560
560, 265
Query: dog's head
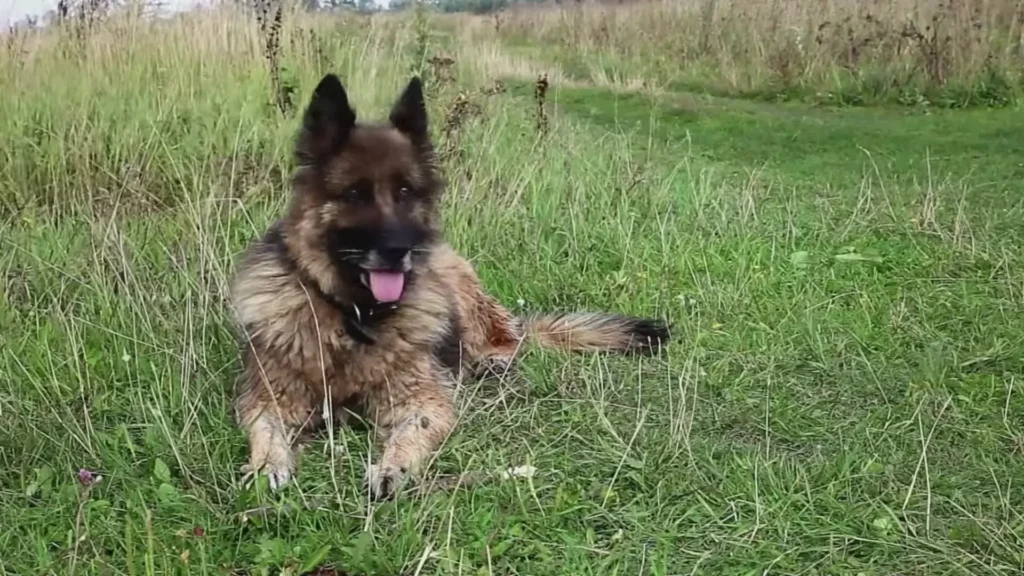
365, 210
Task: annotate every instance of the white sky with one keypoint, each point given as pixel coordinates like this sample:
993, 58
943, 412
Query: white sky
15, 10
12, 11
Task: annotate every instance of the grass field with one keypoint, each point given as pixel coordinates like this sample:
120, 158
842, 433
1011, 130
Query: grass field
845, 393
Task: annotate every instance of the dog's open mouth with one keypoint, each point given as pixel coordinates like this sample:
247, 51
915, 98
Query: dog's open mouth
385, 285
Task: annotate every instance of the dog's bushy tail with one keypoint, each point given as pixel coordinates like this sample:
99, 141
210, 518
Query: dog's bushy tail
597, 332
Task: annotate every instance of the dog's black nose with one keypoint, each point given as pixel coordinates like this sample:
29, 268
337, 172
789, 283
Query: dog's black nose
393, 255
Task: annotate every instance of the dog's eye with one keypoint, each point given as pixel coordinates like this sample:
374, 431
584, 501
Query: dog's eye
405, 193
357, 193
352, 195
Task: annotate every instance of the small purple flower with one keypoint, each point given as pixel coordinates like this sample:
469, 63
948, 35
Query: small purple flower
86, 477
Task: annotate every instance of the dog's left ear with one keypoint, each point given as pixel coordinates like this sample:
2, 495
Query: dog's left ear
409, 114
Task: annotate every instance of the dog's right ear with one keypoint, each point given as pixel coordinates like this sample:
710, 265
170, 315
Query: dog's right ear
327, 123
409, 113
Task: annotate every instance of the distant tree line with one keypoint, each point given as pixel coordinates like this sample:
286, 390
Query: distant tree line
475, 6
485, 6
478, 6
360, 5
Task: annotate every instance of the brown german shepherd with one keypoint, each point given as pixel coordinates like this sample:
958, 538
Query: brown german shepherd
353, 300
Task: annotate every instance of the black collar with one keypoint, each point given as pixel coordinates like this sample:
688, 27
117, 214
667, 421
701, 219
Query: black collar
358, 319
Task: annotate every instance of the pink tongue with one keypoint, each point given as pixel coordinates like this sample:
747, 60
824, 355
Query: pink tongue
386, 286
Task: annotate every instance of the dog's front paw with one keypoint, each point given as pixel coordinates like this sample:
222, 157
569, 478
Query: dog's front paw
384, 481
496, 368
277, 465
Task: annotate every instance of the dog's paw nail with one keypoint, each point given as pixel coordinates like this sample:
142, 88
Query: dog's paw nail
248, 474
277, 470
278, 478
383, 482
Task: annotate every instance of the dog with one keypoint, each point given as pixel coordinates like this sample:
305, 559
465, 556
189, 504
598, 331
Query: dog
353, 302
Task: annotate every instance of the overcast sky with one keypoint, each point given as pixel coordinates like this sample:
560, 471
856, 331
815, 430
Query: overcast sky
15, 10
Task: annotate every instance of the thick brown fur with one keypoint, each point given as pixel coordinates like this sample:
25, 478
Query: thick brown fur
317, 343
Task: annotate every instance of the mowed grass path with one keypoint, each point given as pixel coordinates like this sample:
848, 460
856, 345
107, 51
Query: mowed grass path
843, 395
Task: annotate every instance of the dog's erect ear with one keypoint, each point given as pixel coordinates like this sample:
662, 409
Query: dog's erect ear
327, 123
409, 114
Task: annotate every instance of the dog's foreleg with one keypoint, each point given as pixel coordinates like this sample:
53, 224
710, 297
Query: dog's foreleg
270, 448
412, 421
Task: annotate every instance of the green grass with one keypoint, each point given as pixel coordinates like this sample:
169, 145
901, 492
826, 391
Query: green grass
766, 65
811, 147
843, 395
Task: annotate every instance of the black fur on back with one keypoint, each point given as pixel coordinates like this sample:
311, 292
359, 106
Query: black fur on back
447, 350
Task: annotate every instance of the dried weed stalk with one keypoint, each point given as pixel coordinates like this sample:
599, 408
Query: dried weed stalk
269, 17
540, 93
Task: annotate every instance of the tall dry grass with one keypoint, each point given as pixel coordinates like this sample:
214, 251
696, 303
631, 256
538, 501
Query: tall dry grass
953, 53
120, 109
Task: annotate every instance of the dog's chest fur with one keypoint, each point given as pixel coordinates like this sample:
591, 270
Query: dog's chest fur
303, 332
